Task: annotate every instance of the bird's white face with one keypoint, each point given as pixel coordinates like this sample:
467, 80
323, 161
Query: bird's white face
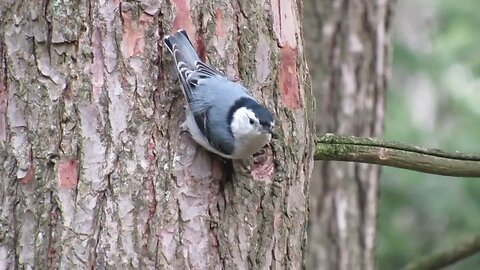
245, 124
249, 133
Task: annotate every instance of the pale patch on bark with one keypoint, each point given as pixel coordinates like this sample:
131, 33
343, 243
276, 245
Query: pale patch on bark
285, 22
262, 60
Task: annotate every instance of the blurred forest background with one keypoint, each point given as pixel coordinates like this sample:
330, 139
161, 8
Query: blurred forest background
433, 101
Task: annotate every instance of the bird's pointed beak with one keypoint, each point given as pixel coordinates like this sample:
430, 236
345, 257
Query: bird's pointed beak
269, 130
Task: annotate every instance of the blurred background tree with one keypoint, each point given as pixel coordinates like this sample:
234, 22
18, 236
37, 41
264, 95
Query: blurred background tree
432, 101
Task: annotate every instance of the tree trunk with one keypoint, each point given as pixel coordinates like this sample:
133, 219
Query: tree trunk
94, 171
348, 48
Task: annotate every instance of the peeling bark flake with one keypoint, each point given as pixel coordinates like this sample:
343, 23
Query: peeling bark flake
288, 77
284, 22
68, 173
133, 33
97, 68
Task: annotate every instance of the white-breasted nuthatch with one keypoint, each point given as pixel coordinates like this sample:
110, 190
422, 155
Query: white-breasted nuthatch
221, 116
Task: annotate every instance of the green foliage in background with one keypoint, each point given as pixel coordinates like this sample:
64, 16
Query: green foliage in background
434, 100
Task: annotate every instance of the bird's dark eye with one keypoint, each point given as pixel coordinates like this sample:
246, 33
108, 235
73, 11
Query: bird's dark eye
251, 121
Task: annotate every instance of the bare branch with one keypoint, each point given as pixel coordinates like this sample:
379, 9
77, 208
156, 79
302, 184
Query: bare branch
447, 257
394, 154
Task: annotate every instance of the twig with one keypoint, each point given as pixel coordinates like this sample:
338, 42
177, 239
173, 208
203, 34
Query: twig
445, 258
394, 154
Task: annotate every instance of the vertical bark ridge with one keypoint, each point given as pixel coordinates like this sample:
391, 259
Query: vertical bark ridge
349, 52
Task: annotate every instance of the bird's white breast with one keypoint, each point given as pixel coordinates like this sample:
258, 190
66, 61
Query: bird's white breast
250, 145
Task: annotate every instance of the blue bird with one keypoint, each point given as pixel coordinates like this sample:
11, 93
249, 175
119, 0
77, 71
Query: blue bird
221, 116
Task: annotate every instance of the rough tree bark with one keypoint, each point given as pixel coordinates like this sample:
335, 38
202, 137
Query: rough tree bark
93, 171
348, 48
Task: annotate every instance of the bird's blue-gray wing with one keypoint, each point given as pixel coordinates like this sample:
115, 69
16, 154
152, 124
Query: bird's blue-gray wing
192, 71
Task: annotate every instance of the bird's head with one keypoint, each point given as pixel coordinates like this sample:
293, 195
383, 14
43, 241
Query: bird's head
249, 119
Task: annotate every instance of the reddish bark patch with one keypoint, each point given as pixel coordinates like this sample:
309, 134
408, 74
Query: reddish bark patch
182, 19
201, 50
263, 165
68, 173
288, 77
27, 179
219, 27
